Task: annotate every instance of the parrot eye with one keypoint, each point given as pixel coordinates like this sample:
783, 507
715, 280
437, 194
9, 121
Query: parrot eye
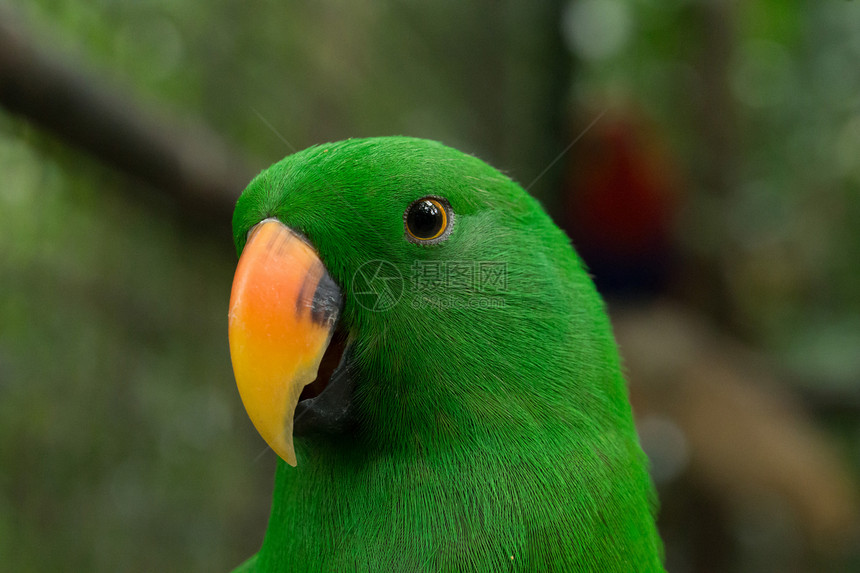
428, 220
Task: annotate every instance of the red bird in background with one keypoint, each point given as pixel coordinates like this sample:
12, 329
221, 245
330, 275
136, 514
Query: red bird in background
621, 197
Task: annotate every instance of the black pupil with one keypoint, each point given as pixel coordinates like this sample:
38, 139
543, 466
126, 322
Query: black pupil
424, 219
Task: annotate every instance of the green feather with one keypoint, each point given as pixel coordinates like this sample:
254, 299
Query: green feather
493, 435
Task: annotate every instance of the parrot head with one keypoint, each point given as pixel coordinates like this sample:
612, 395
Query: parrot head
412, 332
396, 287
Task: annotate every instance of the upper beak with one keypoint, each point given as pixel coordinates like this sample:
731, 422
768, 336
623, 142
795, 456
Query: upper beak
283, 309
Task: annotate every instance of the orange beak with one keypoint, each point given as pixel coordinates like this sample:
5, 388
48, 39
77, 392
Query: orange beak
283, 308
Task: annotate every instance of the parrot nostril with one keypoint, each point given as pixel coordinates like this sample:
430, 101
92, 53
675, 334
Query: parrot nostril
327, 301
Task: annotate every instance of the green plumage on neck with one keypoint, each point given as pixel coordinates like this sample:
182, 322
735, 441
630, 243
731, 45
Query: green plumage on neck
493, 427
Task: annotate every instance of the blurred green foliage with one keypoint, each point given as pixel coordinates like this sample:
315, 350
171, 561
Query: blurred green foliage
123, 445
119, 424
760, 102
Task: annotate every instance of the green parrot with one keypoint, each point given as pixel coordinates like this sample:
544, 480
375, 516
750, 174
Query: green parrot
415, 320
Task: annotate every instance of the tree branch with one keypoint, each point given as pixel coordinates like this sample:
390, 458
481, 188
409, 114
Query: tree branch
178, 157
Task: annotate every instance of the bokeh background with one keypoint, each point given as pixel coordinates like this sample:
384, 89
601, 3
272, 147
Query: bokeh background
703, 154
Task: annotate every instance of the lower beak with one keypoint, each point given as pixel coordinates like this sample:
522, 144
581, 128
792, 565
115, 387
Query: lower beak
283, 309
